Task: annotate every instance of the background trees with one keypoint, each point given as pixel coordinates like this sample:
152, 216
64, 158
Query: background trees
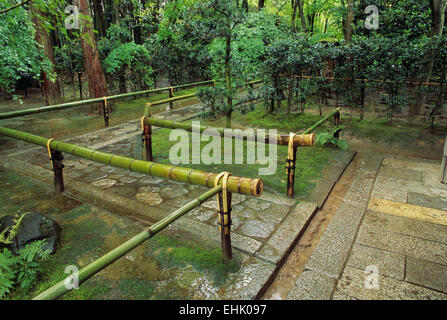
133, 44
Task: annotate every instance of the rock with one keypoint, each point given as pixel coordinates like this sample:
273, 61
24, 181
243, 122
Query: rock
34, 226
150, 198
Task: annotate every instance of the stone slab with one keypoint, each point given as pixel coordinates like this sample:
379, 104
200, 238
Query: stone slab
287, 233
401, 173
312, 285
411, 227
403, 244
390, 264
424, 200
408, 211
427, 274
352, 283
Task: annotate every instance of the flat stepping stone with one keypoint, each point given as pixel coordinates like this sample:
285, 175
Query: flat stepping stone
174, 191
150, 198
256, 228
104, 183
128, 179
257, 205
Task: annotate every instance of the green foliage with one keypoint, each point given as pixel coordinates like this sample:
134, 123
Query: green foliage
19, 52
21, 269
8, 234
324, 138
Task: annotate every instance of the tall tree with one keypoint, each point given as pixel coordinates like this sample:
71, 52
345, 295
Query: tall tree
50, 87
98, 12
95, 76
438, 8
261, 4
297, 7
349, 31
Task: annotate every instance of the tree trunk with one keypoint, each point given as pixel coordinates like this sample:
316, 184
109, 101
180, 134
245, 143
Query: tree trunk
261, 4
95, 76
349, 21
99, 17
51, 90
228, 78
438, 8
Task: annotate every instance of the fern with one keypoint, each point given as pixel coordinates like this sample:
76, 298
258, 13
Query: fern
21, 269
7, 238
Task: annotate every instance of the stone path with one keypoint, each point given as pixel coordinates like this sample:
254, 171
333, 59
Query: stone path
388, 239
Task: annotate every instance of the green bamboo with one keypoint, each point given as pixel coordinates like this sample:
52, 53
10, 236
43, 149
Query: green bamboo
319, 123
13, 114
306, 140
91, 269
159, 102
235, 184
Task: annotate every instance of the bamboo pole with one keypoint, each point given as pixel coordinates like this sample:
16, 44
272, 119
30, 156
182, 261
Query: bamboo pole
235, 184
306, 140
13, 114
147, 135
413, 83
170, 100
320, 122
91, 269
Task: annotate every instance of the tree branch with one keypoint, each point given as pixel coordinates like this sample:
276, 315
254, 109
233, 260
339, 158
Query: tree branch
15, 6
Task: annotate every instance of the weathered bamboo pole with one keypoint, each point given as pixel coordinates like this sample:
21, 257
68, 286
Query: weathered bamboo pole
56, 163
147, 135
413, 83
235, 184
320, 122
306, 140
91, 269
170, 100
13, 114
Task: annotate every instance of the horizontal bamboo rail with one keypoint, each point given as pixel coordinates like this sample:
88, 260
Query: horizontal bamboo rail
235, 184
178, 98
320, 122
413, 83
91, 269
18, 113
306, 140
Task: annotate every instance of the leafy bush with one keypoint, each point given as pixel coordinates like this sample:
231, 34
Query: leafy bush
21, 269
325, 138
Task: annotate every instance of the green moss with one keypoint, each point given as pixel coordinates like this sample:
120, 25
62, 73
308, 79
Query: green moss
176, 252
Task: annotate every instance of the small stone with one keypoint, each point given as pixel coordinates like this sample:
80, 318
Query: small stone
202, 214
151, 180
151, 198
257, 205
128, 180
256, 228
174, 191
108, 169
104, 183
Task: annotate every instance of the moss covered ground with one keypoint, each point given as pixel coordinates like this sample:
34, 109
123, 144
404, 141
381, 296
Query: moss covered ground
162, 268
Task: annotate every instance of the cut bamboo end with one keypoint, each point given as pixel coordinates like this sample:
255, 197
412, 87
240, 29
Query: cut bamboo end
257, 187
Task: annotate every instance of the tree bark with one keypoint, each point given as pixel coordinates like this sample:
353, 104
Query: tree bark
297, 6
228, 78
438, 8
99, 17
51, 90
95, 76
349, 21
261, 4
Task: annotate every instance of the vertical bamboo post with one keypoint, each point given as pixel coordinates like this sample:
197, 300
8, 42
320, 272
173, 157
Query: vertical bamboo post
56, 162
147, 134
105, 109
337, 122
171, 95
224, 210
80, 84
291, 165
